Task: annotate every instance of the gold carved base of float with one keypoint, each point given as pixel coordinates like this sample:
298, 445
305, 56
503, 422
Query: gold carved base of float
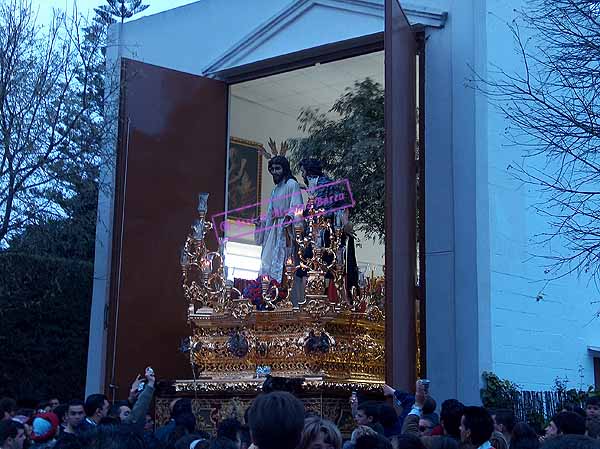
329, 345
214, 401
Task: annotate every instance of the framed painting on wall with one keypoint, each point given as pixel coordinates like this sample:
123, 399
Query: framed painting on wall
244, 177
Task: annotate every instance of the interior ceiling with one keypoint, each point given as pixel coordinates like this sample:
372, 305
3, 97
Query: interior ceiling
316, 86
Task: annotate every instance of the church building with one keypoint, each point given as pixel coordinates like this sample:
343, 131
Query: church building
203, 89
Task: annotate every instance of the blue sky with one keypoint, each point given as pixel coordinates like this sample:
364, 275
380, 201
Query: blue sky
45, 7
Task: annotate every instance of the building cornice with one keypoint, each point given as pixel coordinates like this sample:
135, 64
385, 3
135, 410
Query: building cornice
417, 16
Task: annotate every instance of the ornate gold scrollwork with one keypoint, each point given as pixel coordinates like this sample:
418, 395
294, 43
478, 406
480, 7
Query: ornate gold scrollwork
335, 340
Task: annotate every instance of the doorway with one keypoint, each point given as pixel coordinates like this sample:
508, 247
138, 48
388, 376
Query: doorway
338, 107
172, 145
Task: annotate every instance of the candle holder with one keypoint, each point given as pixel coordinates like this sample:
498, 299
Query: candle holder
202, 270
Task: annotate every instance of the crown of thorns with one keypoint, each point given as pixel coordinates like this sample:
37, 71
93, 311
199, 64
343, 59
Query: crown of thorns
283, 149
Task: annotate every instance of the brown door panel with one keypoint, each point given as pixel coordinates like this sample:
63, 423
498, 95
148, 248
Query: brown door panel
400, 248
172, 145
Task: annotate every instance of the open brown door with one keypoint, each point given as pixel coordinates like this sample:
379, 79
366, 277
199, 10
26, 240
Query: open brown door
400, 248
172, 145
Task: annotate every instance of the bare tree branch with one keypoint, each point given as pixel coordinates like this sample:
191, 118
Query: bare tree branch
553, 110
49, 88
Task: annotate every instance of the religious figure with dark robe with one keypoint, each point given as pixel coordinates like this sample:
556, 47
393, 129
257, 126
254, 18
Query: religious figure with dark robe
275, 232
314, 178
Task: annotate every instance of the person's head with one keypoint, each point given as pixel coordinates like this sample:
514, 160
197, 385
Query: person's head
75, 413
44, 427
12, 434
276, 420
566, 423
498, 441
367, 413
429, 406
279, 167
8, 407
387, 416
373, 442
593, 426
476, 426
504, 420
592, 406
360, 431
230, 428
54, 402
120, 410
96, 407
43, 407
450, 417
61, 412
180, 406
186, 420
310, 168
426, 425
524, 437
320, 434
570, 442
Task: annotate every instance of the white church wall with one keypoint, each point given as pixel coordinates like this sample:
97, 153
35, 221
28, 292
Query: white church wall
533, 341
457, 247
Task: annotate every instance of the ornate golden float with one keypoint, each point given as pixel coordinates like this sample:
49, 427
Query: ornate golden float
329, 346
340, 340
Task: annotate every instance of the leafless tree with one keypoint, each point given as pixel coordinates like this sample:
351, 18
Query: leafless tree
553, 108
49, 87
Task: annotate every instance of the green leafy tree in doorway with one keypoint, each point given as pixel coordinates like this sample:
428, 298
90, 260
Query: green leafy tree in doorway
349, 140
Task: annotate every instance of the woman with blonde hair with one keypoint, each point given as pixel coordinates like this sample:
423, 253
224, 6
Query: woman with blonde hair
320, 434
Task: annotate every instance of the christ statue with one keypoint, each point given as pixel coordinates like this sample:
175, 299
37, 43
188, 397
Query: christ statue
286, 198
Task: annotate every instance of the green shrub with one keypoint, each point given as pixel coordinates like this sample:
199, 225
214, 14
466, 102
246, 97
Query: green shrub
44, 325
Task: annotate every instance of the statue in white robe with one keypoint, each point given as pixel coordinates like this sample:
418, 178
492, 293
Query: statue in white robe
270, 232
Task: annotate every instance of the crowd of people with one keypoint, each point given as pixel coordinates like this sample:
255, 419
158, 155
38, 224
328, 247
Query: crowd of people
279, 420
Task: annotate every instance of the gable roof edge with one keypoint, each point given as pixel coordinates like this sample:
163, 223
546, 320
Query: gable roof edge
417, 15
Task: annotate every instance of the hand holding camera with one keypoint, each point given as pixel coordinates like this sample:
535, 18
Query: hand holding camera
149, 379
421, 392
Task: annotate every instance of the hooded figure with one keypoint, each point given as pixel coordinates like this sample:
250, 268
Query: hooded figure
313, 176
